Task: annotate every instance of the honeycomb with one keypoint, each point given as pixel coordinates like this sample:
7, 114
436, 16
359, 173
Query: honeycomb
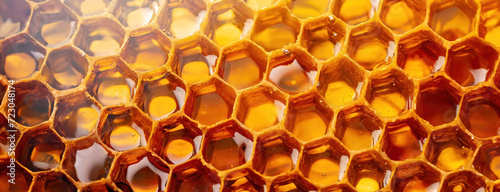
249, 95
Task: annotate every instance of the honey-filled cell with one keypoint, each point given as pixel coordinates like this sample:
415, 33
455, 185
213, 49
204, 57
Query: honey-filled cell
176, 140
275, 153
450, 148
195, 59
20, 57
323, 37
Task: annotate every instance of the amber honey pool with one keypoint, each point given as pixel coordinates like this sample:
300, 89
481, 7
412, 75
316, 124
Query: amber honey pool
249, 95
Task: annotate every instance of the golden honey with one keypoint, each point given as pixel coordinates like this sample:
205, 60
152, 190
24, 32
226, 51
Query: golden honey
249, 95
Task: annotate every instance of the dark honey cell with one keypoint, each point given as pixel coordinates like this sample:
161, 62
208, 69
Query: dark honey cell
403, 139
438, 101
14, 16
13, 172
480, 112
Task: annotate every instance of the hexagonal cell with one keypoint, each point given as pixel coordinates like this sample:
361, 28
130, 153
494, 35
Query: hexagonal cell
480, 112
371, 45
308, 8
65, 68
292, 73
139, 170
230, 141
86, 8
438, 101
354, 11
112, 83
487, 160
488, 23
291, 183
275, 152
228, 21
52, 24
415, 176
53, 181
14, 16
243, 180
87, 161
20, 57
471, 62
403, 139
323, 38
182, 19
136, 13
275, 29
34, 103
160, 95
358, 128
22, 177
368, 171
259, 4
450, 148
390, 93
308, 117
124, 128
176, 140
341, 82
324, 162
146, 49
40, 150
195, 60
76, 116
420, 54
242, 64
260, 108
463, 180
100, 37
193, 176
210, 102
403, 15
452, 19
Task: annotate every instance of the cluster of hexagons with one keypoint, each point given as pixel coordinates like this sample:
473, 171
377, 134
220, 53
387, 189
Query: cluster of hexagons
256, 95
